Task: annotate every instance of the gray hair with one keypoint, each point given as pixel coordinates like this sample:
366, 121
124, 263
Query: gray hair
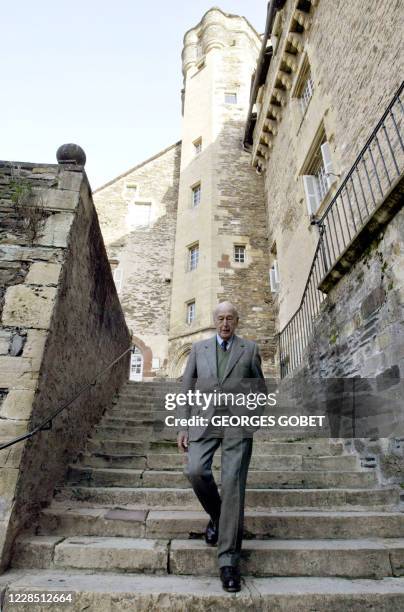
219, 307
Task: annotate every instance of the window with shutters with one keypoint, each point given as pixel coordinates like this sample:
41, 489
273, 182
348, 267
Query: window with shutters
274, 280
138, 214
318, 175
118, 277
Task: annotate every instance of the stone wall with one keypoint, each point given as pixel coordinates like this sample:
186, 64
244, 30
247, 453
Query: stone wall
360, 333
144, 253
61, 324
219, 57
356, 67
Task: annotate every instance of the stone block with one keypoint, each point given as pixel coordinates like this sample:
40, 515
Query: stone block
34, 551
372, 302
55, 199
28, 306
11, 429
112, 553
71, 181
41, 273
56, 230
12, 370
18, 404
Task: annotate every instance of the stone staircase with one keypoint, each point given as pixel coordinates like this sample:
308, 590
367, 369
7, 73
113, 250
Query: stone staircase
125, 532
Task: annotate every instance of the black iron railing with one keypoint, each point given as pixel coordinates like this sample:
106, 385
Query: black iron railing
379, 165
46, 424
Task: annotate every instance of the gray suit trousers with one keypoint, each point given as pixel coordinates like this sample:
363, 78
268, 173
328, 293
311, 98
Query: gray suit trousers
236, 455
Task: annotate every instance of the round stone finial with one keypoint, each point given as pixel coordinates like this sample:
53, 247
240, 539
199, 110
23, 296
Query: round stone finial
71, 154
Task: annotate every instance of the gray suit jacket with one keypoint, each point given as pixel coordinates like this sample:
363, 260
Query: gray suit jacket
243, 374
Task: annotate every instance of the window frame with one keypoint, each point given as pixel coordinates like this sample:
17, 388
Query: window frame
227, 95
196, 195
190, 310
235, 254
193, 262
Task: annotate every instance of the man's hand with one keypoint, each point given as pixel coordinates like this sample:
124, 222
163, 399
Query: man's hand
182, 441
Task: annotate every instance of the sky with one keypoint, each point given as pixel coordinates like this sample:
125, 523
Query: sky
105, 75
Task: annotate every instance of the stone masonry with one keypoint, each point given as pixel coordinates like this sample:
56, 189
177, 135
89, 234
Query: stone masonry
143, 253
60, 324
125, 530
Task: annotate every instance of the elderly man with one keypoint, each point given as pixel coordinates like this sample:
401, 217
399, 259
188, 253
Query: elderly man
224, 363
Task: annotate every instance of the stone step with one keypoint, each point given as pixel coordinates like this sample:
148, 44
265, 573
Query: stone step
273, 479
121, 477
375, 558
319, 448
125, 413
140, 447
146, 433
68, 520
95, 553
264, 462
130, 422
102, 592
108, 460
347, 499
285, 525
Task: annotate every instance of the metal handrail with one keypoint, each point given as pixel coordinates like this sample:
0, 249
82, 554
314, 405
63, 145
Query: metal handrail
340, 224
46, 424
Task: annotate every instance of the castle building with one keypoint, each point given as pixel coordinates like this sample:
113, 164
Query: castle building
258, 202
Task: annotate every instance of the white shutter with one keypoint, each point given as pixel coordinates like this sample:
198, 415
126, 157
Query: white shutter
272, 281
326, 155
311, 192
118, 273
276, 270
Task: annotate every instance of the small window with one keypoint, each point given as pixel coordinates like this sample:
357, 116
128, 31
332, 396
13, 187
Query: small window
239, 253
303, 89
193, 256
318, 180
190, 312
306, 92
274, 277
196, 195
230, 98
198, 146
139, 214
118, 277
199, 51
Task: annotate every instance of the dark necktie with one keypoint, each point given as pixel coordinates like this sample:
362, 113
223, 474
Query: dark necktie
224, 345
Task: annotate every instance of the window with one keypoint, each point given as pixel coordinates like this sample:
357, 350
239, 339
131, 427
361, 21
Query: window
319, 178
274, 277
136, 365
193, 256
190, 312
306, 92
230, 98
139, 214
196, 195
239, 253
118, 276
197, 146
199, 51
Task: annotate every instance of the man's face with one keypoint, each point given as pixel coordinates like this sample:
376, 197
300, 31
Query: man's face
226, 322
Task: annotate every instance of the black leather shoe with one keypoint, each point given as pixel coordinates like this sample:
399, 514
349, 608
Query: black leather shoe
212, 533
230, 577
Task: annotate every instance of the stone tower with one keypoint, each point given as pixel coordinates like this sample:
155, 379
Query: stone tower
221, 250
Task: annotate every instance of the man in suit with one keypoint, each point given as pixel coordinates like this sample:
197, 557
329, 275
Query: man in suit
225, 364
